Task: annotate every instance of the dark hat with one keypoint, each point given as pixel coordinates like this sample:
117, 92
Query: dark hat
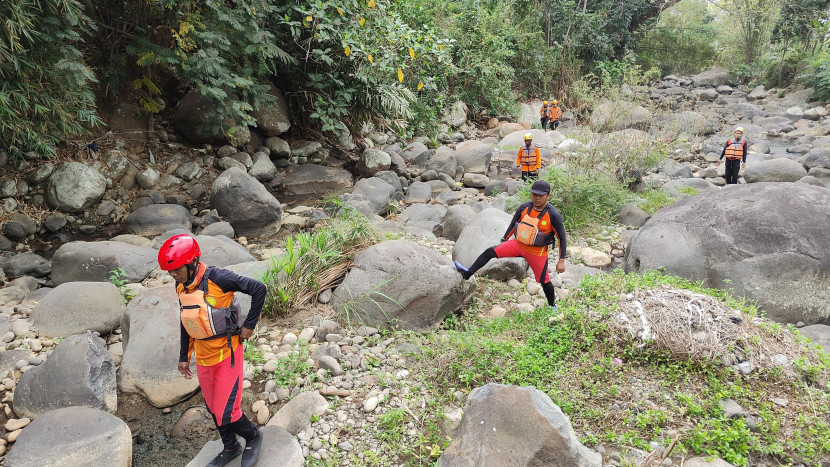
540, 187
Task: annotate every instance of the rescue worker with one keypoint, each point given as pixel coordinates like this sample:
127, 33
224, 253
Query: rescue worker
545, 115
735, 153
555, 113
211, 326
528, 159
536, 226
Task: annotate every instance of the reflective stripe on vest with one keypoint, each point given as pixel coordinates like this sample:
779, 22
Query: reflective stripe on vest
529, 155
734, 149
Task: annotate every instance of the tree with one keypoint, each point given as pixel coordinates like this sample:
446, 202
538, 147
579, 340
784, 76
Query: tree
45, 86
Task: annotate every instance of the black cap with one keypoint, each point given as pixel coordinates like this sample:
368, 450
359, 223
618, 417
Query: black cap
540, 187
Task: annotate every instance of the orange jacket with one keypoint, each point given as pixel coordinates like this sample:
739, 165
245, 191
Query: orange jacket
544, 112
528, 158
555, 112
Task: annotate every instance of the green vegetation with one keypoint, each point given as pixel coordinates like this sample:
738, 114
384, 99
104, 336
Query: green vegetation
571, 355
654, 200
118, 278
46, 89
315, 261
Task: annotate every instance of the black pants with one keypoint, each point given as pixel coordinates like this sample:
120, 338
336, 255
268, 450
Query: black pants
489, 254
242, 427
554, 124
544, 121
529, 175
733, 167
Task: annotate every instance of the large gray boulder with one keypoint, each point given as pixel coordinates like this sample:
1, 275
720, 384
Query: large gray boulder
93, 261
763, 241
413, 150
150, 327
279, 449
713, 77
775, 170
619, 115
310, 180
156, 219
262, 169
693, 123
474, 156
819, 334
195, 119
456, 114
273, 118
80, 371
77, 307
516, 139
418, 192
25, 264
73, 437
817, 157
631, 214
378, 193
74, 187
443, 162
456, 218
515, 426
484, 231
424, 216
401, 285
373, 161
217, 250
245, 202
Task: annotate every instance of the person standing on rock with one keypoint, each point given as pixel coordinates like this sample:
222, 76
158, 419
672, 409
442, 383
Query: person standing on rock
536, 225
735, 153
555, 113
545, 115
528, 159
210, 326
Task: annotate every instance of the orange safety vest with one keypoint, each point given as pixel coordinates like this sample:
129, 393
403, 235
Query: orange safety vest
528, 157
735, 150
555, 113
544, 112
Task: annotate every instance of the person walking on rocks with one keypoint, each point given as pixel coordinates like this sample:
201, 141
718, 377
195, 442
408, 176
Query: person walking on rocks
735, 153
211, 326
555, 113
545, 115
536, 225
528, 159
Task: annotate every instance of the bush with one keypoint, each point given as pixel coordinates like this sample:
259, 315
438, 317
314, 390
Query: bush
817, 75
45, 89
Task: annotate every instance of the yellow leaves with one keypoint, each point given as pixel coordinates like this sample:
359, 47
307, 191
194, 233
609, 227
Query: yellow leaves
371, 60
371, 3
362, 21
340, 11
412, 53
347, 50
420, 85
400, 75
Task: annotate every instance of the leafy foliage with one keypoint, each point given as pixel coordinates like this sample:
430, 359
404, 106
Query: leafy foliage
45, 92
680, 40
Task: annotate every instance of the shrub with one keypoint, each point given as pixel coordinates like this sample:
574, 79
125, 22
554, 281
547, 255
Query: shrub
45, 86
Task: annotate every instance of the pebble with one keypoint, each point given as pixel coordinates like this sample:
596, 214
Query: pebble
166, 410
20, 328
16, 424
257, 405
262, 415
524, 298
289, 339
345, 445
246, 384
282, 393
270, 366
306, 334
35, 360
316, 444
12, 436
370, 404
514, 283
8, 337
35, 345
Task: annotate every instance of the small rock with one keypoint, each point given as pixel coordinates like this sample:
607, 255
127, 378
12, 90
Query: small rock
370, 404
263, 414
289, 339
329, 363
16, 424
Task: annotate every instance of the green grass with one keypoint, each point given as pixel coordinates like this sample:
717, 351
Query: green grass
315, 260
655, 200
570, 356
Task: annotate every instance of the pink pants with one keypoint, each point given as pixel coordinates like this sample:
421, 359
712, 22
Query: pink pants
222, 388
539, 264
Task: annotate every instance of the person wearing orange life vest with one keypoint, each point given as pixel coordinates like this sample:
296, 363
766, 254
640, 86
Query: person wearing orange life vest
555, 113
735, 153
211, 327
536, 226
528, 159
545, 115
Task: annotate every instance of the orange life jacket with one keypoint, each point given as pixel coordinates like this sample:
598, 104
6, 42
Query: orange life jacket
528, 158
527, 230
735, 149
555, 112
544, 112
202, 321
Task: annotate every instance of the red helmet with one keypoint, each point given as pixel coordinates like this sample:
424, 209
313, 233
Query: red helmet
178, 251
